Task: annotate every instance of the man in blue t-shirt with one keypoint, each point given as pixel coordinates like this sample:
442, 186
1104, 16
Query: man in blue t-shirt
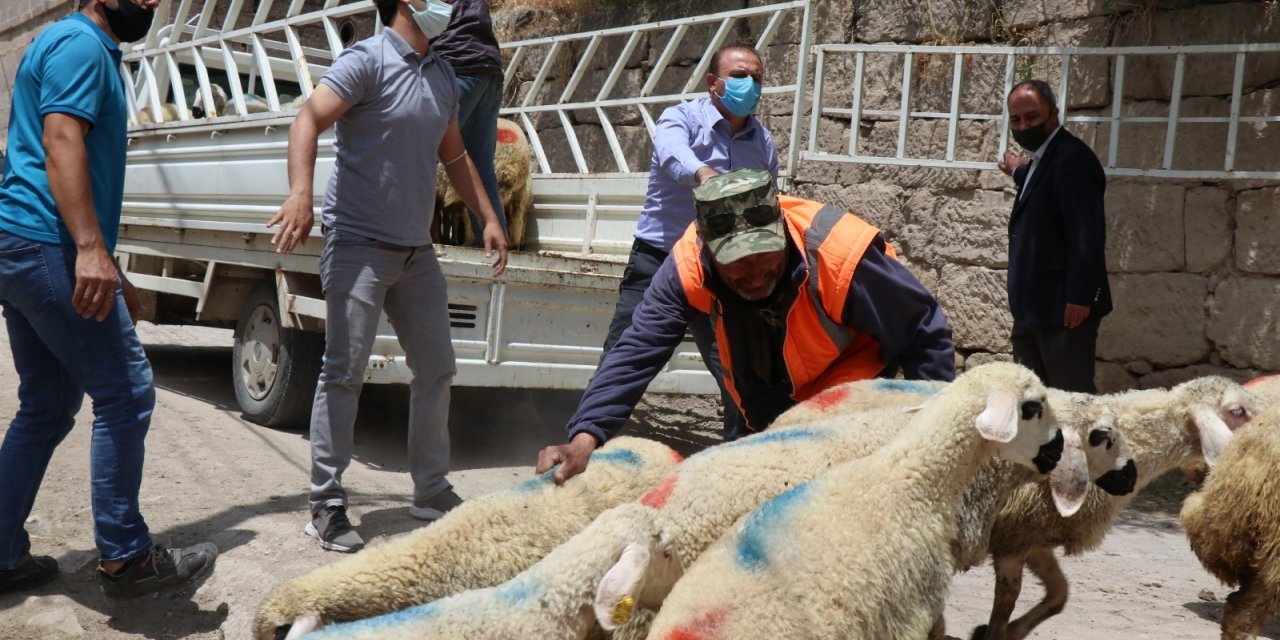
68, 309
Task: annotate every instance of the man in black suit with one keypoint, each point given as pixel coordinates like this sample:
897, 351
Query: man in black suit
1058, 289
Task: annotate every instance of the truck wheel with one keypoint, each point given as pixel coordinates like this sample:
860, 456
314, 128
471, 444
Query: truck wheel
273, 369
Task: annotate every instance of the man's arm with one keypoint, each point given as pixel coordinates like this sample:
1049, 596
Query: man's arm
889, 304
1080, 186
462, 174
296, 216
672, 136
659, 325
67, 162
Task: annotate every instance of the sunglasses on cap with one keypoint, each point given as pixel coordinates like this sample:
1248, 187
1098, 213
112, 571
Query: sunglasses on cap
723, 222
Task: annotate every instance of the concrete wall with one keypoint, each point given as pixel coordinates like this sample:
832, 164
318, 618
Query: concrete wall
20, 22
1195, 265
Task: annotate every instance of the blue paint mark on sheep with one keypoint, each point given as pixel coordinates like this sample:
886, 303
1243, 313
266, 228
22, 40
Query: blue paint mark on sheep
922, 387
770, 437
378, 624
616, 456
515, 592
761, 526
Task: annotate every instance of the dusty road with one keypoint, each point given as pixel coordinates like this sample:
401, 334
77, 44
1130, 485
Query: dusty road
212, 476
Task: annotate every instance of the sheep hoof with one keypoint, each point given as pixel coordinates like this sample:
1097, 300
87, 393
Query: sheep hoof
979, 632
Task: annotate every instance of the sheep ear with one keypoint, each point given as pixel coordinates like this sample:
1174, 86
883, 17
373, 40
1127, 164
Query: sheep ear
304, 624
620, 587
1069, 480
999, 420
1214, 434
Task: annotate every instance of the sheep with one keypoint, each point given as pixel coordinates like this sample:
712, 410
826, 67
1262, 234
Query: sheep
1266, 388
699, 484
1233, 524
548, 601
1193, 420
483, 542
515, 189
883, 569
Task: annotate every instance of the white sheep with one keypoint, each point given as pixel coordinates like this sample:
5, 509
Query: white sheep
864, 550
628, 586
511, 165
482, 543
1164, 428
1234, 526
623, 553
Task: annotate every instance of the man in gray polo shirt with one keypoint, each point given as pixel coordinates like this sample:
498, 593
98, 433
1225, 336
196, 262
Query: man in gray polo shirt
395, 106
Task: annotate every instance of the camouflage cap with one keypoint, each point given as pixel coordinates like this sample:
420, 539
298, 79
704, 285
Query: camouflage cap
720, 204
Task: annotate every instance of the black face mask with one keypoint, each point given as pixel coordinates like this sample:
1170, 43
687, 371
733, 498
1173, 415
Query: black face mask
129, 22
1032, 137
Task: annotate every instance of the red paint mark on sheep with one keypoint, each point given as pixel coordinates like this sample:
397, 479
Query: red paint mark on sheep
704, 626
829, 398
676, 455
507, 136
656, 498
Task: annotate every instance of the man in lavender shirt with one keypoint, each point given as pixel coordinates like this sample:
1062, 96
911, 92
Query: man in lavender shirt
693, 142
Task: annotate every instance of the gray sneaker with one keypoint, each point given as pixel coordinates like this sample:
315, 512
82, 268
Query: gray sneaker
436, 506
158, 570
331, 527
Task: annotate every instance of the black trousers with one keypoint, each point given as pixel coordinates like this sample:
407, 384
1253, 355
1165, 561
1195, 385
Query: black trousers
1062, 357
641, 266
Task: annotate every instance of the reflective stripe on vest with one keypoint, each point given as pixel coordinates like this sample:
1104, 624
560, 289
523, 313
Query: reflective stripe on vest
818, 351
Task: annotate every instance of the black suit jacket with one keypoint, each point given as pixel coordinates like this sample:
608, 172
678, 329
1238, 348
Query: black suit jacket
1058, 237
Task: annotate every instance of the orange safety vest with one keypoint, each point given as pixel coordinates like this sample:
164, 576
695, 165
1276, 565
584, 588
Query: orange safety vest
818, 351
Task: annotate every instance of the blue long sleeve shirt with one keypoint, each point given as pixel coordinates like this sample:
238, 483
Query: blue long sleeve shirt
687, 137
885, 301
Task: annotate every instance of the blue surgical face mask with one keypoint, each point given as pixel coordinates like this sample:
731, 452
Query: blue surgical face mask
433, 19
741, 95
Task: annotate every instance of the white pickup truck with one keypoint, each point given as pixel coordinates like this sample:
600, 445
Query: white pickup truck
202, 184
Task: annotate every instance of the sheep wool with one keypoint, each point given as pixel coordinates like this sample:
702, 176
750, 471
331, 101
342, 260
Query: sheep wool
864, 550
858, 396
515, 189
1165, 428
482, 543
1233, 524
547, 600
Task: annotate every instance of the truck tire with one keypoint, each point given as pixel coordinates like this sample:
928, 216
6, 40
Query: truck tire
273, 369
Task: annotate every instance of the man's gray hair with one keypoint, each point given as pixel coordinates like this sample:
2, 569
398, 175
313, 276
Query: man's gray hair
1041, 88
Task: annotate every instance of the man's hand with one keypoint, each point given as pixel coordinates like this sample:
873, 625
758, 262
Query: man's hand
571, 457
96, 278
704, 174
131, 300
1074, 315
1010, 162
494, 239
295, 217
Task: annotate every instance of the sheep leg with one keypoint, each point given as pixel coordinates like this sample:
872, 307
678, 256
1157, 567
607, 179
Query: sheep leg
1040, 561
1243, 614
939, 630
1008, 586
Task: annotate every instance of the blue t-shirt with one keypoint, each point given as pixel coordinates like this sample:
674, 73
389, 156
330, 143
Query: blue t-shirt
73, 67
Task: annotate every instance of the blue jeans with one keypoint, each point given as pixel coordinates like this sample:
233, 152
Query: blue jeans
478, 121
59, 357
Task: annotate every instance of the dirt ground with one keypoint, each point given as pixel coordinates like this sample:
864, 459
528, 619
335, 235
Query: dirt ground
213, 476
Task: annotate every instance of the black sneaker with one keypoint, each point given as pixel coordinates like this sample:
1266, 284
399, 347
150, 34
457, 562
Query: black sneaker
159, 569
331, 527
436, 506
31, 572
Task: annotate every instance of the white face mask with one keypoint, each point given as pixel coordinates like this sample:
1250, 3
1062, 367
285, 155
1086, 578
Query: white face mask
433, 19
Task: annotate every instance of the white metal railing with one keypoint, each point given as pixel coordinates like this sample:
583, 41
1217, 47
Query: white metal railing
254, 57
1118, 122
684, 46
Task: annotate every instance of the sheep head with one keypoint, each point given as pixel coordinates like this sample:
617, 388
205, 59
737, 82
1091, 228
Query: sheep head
1015, 415
1215, 407
645, 571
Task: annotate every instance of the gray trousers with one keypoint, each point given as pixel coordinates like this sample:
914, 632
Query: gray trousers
362, 277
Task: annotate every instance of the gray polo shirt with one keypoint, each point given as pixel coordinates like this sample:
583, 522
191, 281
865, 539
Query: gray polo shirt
383, 185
